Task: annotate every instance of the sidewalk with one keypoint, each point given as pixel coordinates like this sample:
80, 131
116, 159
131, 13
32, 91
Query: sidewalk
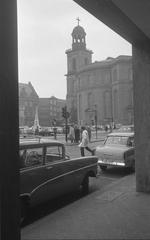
119, 212
101, 136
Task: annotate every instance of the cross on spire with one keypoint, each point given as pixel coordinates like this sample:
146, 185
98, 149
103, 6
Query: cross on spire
78, 20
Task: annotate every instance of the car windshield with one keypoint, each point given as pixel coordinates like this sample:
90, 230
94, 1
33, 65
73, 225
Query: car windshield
126, 129
121, 140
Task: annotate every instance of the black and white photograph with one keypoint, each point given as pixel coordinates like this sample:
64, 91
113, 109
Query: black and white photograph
75, 119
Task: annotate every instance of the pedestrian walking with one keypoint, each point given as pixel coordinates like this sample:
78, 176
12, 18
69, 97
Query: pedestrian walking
84, 142
55, 132
71, 134
89, 133
77, 133
106, 128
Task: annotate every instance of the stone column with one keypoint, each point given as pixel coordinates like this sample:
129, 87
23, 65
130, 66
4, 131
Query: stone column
141, 88
9, 132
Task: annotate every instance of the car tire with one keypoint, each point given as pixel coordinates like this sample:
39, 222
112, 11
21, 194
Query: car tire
103, 168
24, 210
132, 168
85, 185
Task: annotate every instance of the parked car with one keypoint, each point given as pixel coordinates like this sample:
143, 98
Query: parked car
59, 130
125, 128
46, 131
46, 172
117, 150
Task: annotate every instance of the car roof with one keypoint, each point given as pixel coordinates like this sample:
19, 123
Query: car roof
125, 134
35, 143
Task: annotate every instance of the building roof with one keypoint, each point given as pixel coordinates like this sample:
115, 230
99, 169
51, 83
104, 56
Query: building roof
27, 88
105, 63
57, 99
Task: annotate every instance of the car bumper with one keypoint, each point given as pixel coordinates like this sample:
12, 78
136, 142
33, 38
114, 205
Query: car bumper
100, 162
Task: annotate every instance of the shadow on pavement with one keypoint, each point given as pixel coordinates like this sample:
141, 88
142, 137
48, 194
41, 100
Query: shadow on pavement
51, 206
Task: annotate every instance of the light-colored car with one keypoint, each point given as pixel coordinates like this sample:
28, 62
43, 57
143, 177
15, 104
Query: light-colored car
125, 128
59, 130
46, 172
117, 150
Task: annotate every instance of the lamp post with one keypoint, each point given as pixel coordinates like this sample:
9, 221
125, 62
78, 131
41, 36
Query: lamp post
95, 110
95, 116
65, 115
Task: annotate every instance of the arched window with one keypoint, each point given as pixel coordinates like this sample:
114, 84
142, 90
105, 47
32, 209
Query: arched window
74, 67
86, 61
90, 100
115, 105
114, 75
131, 97
79, 83
107, 104
74, 86
80, 106
130, 74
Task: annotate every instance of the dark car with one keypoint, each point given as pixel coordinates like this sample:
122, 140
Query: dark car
46, 172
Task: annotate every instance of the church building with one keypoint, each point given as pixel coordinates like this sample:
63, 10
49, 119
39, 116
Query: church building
99, 91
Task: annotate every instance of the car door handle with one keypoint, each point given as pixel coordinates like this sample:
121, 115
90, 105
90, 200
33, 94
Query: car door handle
49, 168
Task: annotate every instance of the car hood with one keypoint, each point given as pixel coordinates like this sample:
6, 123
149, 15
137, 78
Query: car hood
111, 152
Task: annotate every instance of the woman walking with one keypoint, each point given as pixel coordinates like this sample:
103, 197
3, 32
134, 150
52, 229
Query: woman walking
84, 142
71, 134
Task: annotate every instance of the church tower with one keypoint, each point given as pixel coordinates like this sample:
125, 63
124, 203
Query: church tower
77, 57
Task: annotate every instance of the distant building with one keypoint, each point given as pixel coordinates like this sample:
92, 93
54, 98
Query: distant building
101, 88
28, 102
44, 112
50, 111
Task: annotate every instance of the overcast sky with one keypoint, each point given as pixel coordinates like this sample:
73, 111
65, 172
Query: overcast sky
44, 34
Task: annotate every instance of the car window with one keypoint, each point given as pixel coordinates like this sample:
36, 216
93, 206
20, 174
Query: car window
53, 154
126, 129
31, 157
121, 140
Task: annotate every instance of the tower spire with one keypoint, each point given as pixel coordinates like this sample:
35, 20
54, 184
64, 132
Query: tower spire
78, 19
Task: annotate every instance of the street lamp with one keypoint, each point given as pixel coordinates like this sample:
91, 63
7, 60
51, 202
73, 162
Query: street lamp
95, 116
65, 115
95, 110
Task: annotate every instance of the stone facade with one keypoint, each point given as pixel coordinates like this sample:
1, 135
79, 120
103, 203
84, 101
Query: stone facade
44, 112
103, 88
28, 101
50, 111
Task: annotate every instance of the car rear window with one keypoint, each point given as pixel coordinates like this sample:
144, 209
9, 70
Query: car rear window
121, 140
53, 154
31, 157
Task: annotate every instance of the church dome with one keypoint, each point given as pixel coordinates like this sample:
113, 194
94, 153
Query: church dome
78, 31
78, 37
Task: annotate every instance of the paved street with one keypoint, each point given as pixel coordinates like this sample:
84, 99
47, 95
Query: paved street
96, 184
100, 135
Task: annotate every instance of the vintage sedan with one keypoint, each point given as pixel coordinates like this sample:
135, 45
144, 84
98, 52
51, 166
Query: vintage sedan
46, 172
117, 150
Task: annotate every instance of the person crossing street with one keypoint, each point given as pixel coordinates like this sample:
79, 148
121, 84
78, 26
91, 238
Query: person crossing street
84, 142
